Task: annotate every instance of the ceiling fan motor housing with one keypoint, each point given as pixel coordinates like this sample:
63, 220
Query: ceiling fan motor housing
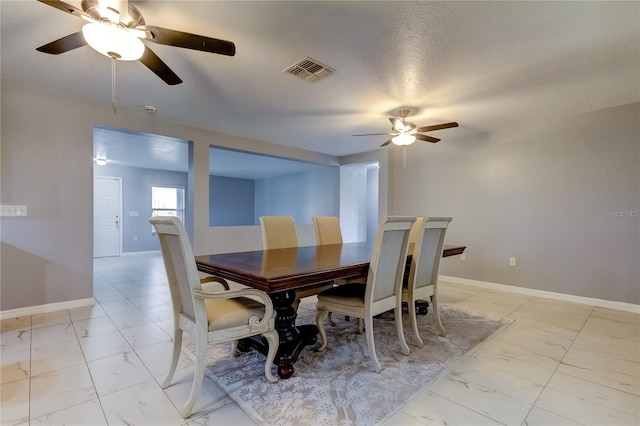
102, 12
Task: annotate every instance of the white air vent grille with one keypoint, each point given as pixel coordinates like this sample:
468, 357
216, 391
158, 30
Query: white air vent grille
308, 69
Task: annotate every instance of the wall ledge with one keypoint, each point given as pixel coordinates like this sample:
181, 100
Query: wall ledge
44, 309
609, 304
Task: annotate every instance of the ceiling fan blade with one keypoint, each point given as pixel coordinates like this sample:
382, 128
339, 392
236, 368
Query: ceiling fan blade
386, 143
66, 8
155, 64
65, 44
189, 41
375, 134
437, 127
426, 138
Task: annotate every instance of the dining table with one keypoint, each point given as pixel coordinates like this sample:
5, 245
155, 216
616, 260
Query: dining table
281, 273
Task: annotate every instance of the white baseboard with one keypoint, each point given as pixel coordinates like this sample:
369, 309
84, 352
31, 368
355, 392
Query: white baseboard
134, 253
609, 304
49, 307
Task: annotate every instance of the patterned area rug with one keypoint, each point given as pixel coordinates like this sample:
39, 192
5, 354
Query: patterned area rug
339, 386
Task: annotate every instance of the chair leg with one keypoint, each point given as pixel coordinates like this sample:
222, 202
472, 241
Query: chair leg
272, 338
436, 311
234, 348
198, 375
371, 344
330, 320
177, 347
360, 325
414, 321
400, 330
320, 313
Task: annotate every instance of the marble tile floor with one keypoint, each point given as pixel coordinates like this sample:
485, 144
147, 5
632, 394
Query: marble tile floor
557, 363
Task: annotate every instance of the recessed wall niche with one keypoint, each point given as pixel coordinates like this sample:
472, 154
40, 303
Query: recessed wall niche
244, 186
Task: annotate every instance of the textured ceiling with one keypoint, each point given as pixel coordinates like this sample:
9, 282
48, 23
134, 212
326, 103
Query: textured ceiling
482, 64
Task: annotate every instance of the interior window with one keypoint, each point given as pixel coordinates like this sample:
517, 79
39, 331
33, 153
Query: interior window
167, 201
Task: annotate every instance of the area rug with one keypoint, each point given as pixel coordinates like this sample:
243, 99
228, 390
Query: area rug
339, 386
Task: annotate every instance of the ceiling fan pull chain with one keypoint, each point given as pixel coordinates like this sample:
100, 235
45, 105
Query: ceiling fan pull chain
113, 84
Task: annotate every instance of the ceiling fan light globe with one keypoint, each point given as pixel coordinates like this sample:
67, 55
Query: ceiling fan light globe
113, 41
403, 139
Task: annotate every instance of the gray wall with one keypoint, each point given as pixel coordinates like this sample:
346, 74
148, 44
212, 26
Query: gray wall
46, 163
546, 192
302, 195
540, 191
136, 196
231, 201
240, 202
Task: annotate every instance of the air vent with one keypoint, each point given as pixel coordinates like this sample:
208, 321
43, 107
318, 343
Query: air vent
308, 69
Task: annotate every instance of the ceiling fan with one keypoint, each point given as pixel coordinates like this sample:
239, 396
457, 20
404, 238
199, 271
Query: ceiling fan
405, 133
116, 29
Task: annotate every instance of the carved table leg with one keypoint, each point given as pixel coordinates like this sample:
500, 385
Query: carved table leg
292, 339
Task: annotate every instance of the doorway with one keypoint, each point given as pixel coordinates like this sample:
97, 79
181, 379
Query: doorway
107, 216
359, 189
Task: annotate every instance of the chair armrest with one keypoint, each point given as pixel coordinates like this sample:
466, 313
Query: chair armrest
251, 293
211, 279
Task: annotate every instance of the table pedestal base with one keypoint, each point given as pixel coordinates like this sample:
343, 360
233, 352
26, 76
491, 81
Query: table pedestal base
422, 307
292, 339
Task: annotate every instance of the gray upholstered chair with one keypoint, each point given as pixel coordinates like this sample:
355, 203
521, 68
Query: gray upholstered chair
208, 316
428, 234
382, 291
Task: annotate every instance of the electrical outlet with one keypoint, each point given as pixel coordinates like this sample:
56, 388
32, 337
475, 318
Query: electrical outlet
512, 261
463, 257
12, 210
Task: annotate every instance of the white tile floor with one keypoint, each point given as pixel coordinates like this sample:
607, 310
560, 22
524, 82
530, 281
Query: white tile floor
558, 363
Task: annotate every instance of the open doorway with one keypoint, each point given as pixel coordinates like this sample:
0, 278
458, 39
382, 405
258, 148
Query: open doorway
127, 167
359, 189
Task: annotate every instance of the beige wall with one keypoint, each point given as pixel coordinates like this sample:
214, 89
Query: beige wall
546, 192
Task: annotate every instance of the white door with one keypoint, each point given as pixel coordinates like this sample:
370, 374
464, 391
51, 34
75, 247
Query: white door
106, 216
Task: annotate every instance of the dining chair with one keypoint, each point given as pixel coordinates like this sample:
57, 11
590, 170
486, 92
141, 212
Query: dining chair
429, 236
207, 315
327, 230
382, 290
278, 232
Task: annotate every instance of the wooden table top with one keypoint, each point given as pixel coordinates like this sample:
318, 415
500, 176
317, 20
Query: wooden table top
295, 268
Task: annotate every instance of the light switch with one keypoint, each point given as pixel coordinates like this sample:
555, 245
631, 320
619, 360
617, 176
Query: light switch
13, 210
133, 213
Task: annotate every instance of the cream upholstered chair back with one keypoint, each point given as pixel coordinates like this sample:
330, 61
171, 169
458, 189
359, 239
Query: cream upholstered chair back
388, 261
208, 316
382, 291
416, 230
278, 232
425, 264
327, 230
179, 262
